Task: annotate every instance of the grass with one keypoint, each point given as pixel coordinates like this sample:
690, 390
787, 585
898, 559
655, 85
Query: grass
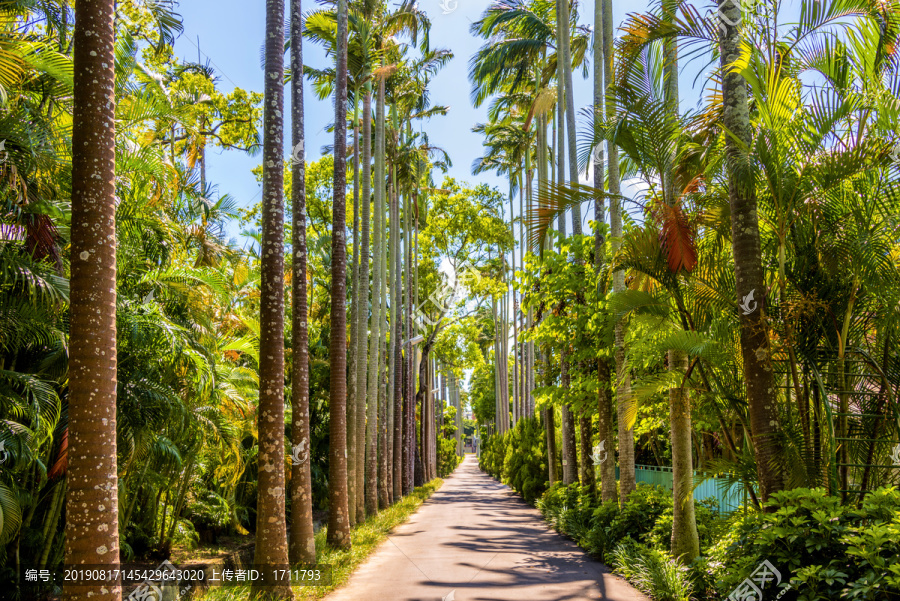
365, 537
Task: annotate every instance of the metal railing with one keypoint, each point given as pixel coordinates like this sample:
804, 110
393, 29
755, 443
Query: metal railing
729, 495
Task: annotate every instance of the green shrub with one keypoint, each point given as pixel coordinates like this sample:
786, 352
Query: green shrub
493, 452
825, 550
569, 510
525, 460
448, 460
636, 520
653, 572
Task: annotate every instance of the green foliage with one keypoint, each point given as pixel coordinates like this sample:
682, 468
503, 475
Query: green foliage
448, 460
653, 571
825, 550
493, 454
525, 460
518, 458
710, 525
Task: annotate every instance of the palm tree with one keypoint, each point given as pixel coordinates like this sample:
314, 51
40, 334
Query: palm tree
302, 542
625, 404
748, 271
92, 497
338, 518
365, 440
271, 531
372, 417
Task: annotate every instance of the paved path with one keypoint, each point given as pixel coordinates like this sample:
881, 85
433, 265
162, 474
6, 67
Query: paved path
477, 539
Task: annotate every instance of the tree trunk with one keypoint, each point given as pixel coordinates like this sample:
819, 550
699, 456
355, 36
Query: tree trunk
338, 509
302, 547
570, 458
363, 310
92, 500
685, 543
409, 418
586, 443
271, 530
375, 328
605, 433
353, 372
758, 376
563, 28
396, 342
383, 446
623, 378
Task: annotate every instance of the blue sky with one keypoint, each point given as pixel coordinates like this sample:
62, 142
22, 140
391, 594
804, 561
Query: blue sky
230, 34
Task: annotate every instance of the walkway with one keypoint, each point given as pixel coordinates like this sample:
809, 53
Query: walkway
476, 540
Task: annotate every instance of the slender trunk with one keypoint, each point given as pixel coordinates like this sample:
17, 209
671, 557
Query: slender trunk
569, 455
179, 500
353, 373
338, 509
302, 547
91, 503
605, 431
271, 529
569, 95
685, 542
50, 522
570, 458
374, 330
363, 309
410, 351
748, 262
396, 342
586, 443
623, 378
409, 432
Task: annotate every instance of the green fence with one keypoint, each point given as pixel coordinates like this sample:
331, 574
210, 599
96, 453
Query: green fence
729, 497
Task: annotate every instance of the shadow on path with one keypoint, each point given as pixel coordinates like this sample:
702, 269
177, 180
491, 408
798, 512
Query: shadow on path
477, 539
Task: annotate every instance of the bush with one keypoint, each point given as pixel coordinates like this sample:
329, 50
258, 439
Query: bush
653, 572
710, 525
525, 459
635, 520
448, 460
493, 453
569, 509
823, 549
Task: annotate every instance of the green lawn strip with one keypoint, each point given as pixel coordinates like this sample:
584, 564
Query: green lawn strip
365, 537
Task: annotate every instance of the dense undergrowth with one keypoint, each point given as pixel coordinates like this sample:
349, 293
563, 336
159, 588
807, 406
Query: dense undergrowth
819, 549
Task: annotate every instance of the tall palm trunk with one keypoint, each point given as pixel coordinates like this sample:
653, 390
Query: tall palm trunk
382, 303
271, 530
624, 397
375, 329
604, 396
396, 342
302, 548
587, 469
338, 510
748, 261
92, 512
353, 372
569, 455
685, 544
363, 310
569, 96
410, 453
